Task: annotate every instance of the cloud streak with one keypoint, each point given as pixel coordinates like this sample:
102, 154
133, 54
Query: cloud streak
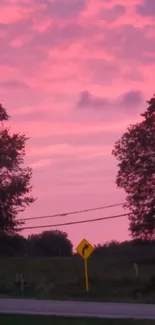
132, 98
110, 15
66, 9
88, 101
14, 84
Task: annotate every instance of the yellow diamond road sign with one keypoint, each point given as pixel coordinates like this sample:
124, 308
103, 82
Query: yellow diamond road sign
85, 249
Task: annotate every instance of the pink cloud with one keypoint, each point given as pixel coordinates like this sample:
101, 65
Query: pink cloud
44, 129
66, 8
41, 23
130, 98
88, 101
40, 163
11, 14
67, 149
146, 8
129, 43
13, 84
133, 98
112, 14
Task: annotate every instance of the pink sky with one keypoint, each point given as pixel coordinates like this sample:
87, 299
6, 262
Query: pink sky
74, 75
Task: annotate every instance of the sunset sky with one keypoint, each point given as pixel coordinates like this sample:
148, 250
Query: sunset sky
74, 75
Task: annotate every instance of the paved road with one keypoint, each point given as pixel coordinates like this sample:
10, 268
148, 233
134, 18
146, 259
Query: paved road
77, 309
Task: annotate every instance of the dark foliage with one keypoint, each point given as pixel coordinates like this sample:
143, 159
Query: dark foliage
50, 243
15, 179
135, 152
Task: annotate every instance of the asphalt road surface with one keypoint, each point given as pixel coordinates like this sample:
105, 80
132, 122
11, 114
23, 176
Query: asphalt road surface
76, 308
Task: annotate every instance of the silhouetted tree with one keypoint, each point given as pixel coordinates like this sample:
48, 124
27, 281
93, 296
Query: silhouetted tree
14, 177
135, 152
50, 243
18, 244
12, 245
34, 245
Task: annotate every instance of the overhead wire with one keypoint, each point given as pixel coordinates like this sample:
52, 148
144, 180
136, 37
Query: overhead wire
64, 214
74, 222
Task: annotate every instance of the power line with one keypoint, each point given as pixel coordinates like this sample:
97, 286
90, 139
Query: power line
73, 212
75, 222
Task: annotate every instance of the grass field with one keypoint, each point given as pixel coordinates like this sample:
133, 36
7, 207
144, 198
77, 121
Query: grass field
110, 279
38, 320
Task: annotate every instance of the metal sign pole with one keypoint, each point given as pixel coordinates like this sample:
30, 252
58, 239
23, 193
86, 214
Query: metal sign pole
86, 275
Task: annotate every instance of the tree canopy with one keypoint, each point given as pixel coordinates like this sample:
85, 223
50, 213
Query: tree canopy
135, 153
50, 243
15, 178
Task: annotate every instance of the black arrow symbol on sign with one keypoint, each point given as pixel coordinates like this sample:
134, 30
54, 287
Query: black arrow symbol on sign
84, 248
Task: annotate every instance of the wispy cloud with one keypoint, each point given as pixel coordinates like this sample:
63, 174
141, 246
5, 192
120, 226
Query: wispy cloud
13, 84
133, 98
40, 163
66, 8
112, 14
89, 101
146, 8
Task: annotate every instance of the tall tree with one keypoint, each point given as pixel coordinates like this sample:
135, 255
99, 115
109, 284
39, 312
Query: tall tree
135, 152
15, 179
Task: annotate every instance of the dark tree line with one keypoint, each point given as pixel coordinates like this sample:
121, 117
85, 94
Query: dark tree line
57, 244
48, 243
135, 246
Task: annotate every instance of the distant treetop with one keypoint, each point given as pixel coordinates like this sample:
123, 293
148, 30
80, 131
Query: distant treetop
3, 114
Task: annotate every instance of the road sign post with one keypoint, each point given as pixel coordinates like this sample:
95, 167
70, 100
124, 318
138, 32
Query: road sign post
85, 249
86, 274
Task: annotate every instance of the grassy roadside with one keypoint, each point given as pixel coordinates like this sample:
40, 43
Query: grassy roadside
110, 279
41, 320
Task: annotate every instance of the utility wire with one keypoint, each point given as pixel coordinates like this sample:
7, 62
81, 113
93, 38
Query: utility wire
75, 222
73, 212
